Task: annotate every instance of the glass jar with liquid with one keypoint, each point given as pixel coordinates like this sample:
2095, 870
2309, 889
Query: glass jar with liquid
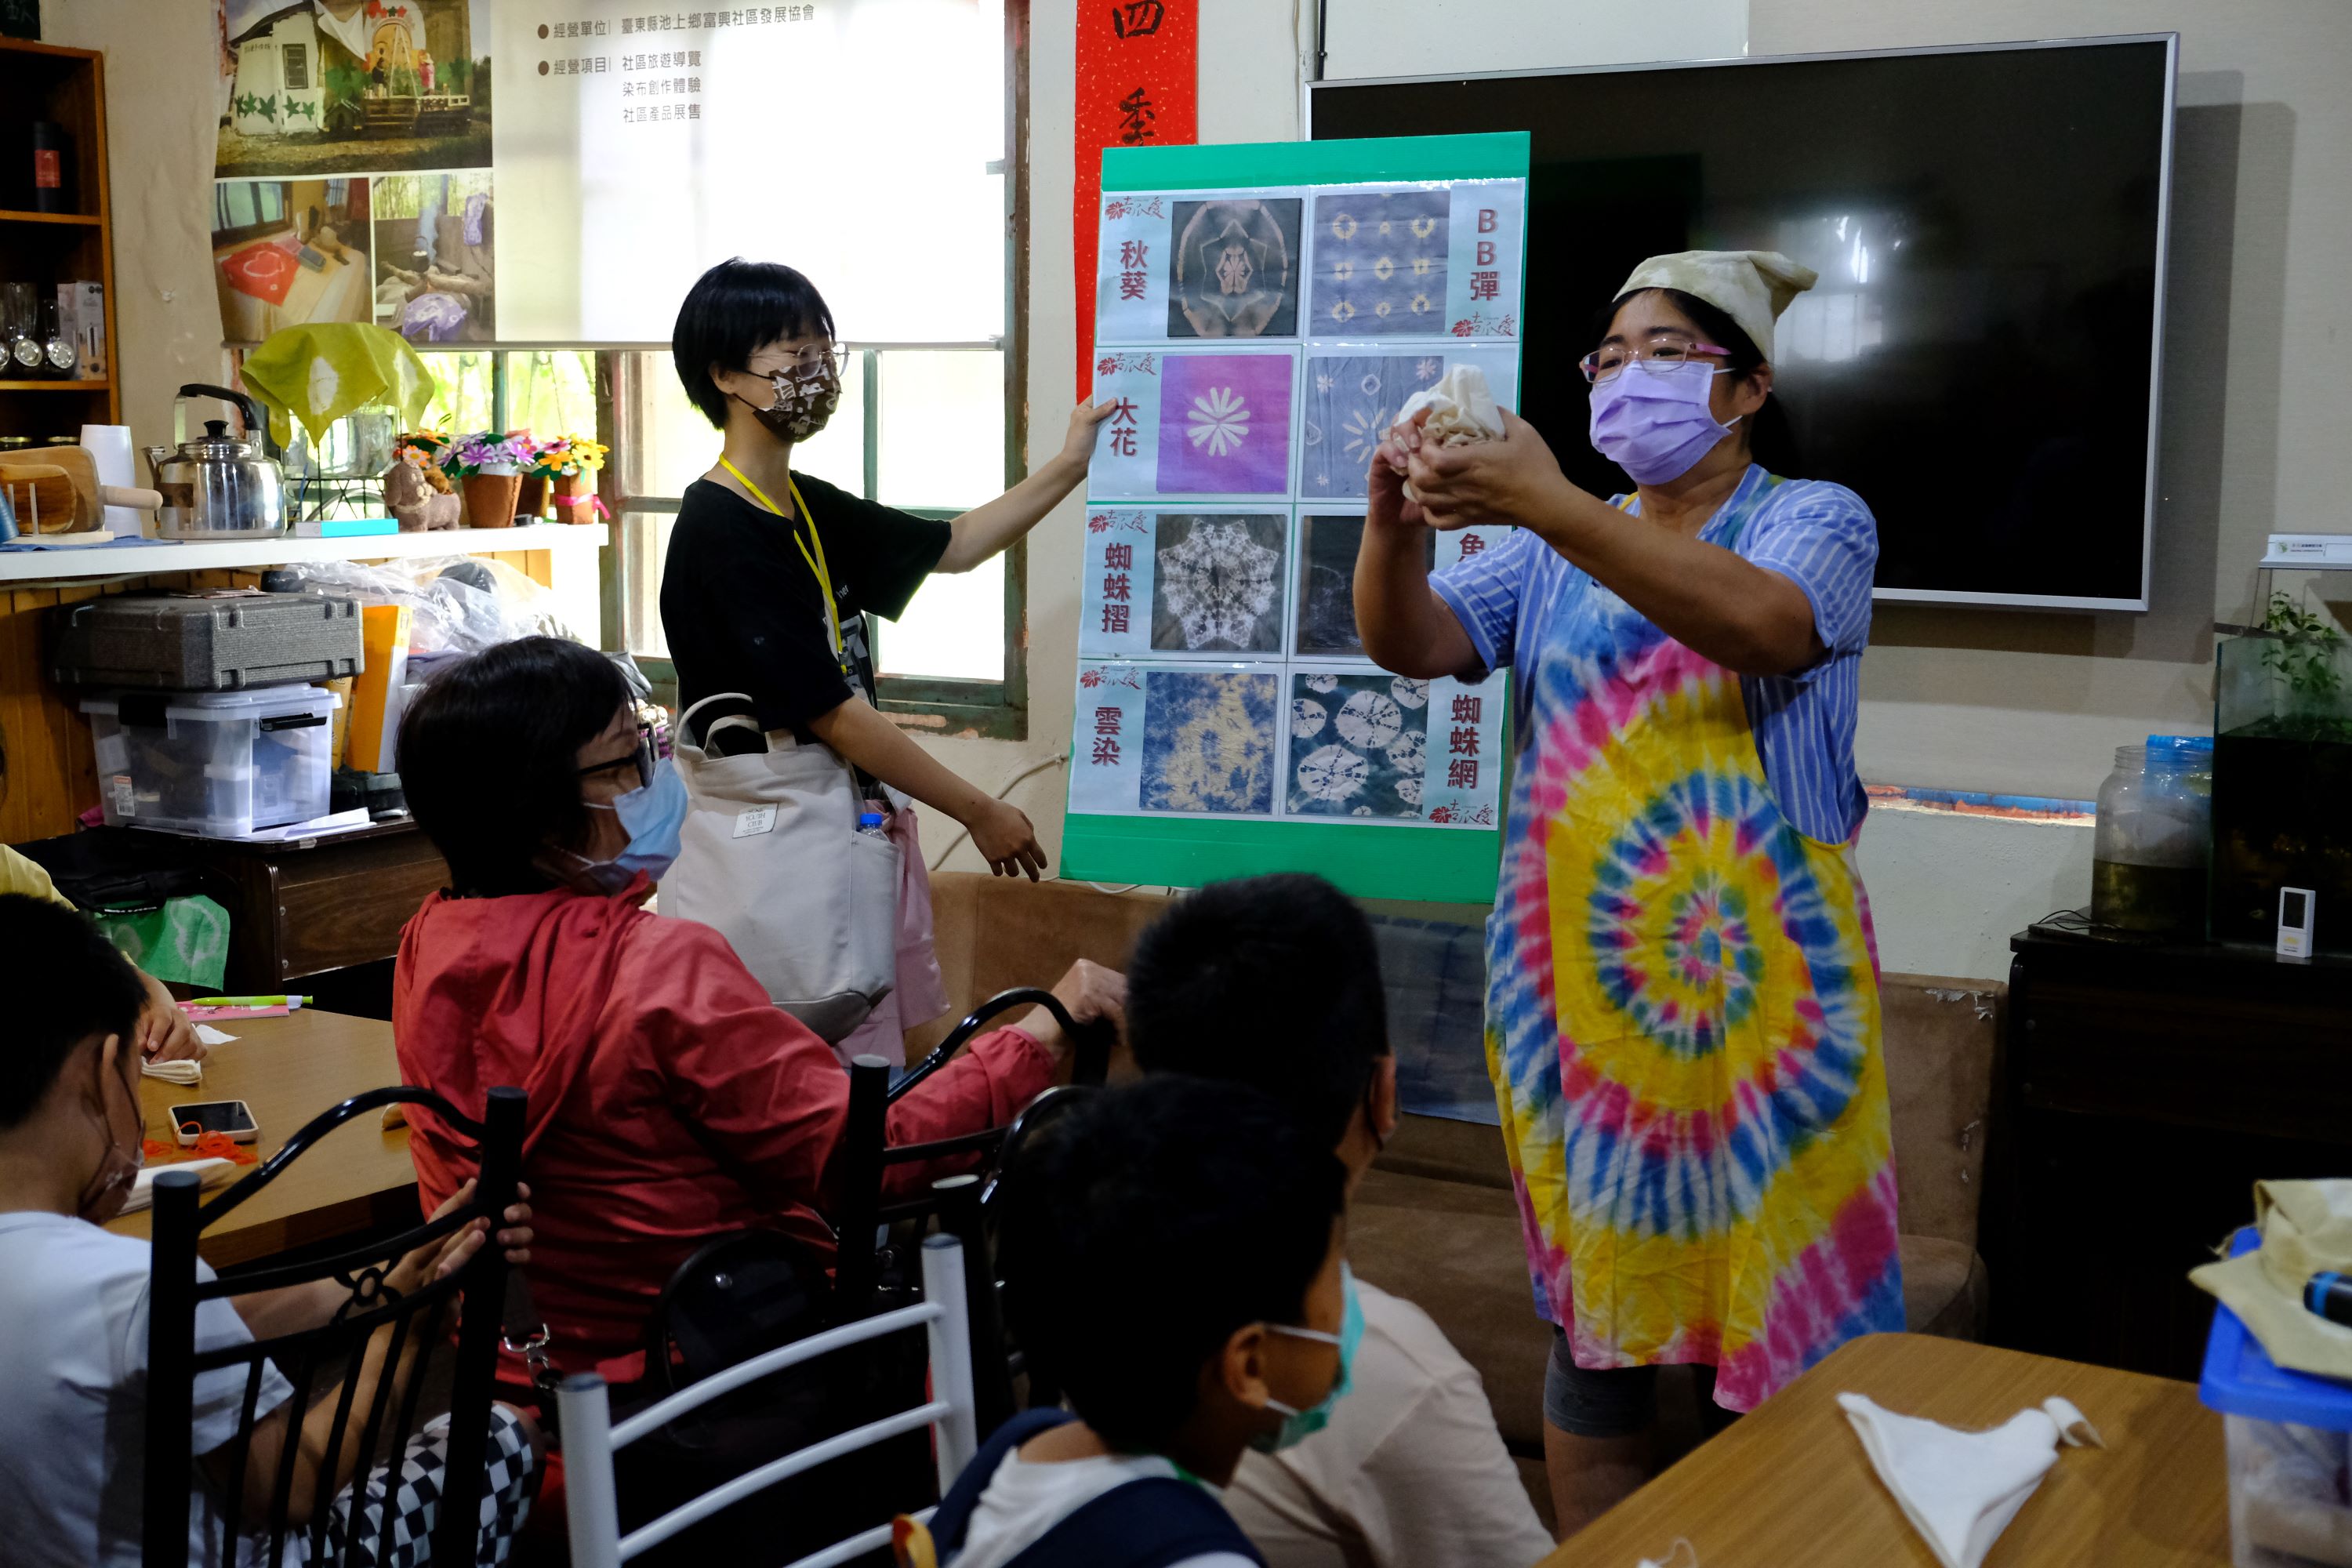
2154, 838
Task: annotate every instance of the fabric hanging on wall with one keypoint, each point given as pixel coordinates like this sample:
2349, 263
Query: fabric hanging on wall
1137, 86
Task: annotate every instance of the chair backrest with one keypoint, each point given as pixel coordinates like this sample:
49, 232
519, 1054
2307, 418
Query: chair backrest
590, 1438
867, 1152
330, 1357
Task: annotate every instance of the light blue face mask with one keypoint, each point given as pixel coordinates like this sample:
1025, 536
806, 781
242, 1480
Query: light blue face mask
654, 815
1297, 1426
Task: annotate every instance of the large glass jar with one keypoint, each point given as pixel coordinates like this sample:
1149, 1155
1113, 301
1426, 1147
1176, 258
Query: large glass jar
2154, 837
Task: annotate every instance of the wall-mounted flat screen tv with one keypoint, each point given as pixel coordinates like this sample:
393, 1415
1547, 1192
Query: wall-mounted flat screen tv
1979, 359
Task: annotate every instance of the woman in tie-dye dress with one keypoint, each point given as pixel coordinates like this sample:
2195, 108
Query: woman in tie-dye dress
1683, 1021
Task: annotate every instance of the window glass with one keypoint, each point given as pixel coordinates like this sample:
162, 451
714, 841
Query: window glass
462, 401
942, 428
953, 631
674, 444
643, 537
553, 393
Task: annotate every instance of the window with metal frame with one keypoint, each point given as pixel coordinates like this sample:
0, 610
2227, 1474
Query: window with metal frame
932, 428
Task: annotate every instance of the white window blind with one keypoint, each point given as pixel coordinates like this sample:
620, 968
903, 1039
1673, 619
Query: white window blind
859, 141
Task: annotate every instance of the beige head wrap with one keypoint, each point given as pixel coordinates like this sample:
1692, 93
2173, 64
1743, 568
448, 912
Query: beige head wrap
1751, 287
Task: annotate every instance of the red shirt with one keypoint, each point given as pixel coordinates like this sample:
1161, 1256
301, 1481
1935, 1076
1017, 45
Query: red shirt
670, 1100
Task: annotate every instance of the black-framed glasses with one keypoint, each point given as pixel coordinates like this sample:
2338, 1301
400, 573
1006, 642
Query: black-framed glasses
811, 357
642, 754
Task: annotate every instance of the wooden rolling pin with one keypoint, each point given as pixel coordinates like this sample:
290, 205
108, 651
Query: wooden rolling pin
55, 489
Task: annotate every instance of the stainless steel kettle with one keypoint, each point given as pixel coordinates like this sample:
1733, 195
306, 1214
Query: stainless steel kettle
219, 486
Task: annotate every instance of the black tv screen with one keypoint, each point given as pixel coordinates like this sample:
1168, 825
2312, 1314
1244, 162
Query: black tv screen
1979, 359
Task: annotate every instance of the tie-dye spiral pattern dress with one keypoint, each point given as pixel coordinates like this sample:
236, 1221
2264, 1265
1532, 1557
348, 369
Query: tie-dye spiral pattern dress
1683, 1020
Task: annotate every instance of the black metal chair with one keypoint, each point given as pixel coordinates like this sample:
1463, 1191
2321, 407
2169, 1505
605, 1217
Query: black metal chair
954, 1201
324, 1361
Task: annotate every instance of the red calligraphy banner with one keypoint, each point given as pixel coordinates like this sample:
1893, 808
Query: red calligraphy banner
1137, 86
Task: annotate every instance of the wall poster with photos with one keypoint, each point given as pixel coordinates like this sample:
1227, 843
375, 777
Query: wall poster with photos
1262, 313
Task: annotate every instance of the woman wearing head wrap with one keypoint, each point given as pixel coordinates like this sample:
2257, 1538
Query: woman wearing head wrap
1682, 1018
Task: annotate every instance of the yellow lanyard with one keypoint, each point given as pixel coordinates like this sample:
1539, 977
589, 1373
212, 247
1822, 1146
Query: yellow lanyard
815, 561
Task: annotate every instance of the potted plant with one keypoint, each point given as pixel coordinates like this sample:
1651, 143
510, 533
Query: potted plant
530, 499
491, 468
568, 464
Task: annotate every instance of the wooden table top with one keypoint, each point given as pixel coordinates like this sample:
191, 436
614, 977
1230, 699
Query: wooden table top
1789, 1483
289, 1069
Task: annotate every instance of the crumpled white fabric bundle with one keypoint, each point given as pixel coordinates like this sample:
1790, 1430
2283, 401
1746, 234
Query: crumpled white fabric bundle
181, 1072
1462, 409
1960, 1490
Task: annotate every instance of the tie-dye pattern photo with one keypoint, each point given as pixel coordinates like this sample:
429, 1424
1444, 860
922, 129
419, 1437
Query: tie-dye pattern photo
1327, 547
1351, 404
1233, 270
1225, 423
1217, 584
1208, 741
1356, 745
1380, 263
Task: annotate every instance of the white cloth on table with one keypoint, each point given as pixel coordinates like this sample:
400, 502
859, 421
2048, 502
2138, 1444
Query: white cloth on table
1960, 1490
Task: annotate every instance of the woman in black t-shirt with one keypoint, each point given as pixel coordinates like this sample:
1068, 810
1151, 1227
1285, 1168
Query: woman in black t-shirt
745, 586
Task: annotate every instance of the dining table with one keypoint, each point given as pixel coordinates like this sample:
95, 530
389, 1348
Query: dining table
1789, 1483
287, 1070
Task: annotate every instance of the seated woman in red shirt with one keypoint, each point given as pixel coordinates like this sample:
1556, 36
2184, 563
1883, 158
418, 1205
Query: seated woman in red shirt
670, 1100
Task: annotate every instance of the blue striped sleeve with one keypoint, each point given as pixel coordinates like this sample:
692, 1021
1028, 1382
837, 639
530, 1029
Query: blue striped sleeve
1822, 538
1485, 592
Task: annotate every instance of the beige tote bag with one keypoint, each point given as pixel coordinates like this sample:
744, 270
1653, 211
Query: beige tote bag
771, 858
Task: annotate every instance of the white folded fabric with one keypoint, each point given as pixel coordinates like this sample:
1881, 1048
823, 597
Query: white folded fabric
142, 1186
1960, 1490
175, 1072
1462, 409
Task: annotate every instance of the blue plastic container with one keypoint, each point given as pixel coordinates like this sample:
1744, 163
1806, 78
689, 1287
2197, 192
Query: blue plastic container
2289, 1458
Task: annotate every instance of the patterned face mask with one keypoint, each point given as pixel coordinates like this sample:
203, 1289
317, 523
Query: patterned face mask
807, 396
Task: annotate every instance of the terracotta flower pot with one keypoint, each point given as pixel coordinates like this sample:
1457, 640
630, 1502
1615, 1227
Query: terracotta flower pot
490, 500
532, 501
575, 498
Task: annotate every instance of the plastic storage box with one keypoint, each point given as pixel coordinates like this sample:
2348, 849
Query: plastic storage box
213, 763
170, 642
2290, 1442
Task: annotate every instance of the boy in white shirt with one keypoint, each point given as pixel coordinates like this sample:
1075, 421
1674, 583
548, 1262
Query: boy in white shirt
1173, 1260
1275, 982
74, 1297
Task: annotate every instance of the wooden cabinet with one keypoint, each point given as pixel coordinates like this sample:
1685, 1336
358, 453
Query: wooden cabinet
2142, 1092
326, 904
68, 87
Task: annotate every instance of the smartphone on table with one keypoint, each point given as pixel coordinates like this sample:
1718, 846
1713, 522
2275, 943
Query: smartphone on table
232, 1117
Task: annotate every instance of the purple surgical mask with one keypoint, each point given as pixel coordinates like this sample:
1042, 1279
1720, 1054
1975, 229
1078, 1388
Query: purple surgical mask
1652, 419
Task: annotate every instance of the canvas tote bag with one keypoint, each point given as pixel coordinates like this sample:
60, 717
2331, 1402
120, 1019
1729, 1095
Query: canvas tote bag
770, 858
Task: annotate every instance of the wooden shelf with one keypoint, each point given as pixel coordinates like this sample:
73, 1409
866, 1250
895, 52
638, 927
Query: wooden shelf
46, 81
87, 563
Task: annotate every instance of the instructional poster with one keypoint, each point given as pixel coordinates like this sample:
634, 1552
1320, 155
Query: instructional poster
1262, 314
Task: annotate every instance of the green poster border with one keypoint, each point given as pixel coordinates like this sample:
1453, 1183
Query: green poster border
1428, 864
1488, 155
1454, 866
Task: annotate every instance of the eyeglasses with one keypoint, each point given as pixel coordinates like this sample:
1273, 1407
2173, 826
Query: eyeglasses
810, 358
642, 754
1661, 348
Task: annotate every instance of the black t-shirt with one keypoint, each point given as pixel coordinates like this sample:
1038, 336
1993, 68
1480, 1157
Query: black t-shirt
741, 607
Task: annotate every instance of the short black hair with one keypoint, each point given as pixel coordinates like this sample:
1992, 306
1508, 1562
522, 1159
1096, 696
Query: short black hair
85, 991
733, 310
1273, 981
489, 757
1138, 1232
1771, 438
